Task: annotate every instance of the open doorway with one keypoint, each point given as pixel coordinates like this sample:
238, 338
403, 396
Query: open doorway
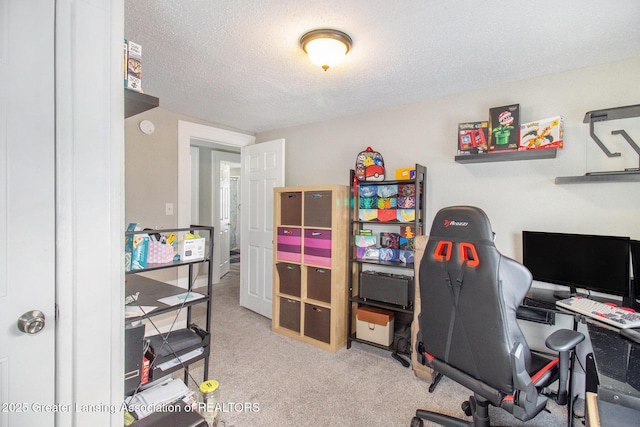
234, 218
212, 203
262, 170
220, 143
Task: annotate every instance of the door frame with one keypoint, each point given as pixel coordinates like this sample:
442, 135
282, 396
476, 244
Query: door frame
89, 203
203, 133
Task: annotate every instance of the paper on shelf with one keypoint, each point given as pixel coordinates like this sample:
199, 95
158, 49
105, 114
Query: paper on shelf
151, 399
181, 298
137, 310
181, 359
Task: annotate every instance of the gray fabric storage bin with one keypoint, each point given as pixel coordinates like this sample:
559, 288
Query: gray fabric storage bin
317, 208
290, 314
317, 323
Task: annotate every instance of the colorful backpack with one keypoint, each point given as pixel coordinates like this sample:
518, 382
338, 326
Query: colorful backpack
369, 166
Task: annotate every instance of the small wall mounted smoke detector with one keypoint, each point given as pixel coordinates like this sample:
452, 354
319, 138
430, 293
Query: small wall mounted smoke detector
147, 127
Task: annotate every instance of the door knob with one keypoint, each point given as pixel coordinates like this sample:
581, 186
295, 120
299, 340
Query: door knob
31, 322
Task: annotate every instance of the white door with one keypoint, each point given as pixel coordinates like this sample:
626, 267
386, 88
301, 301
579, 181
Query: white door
27, 221
262, 170
194, 157
225, 217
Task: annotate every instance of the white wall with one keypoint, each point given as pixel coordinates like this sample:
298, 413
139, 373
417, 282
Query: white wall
516, 195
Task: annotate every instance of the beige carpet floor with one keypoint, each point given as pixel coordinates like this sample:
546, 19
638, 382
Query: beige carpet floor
267, 379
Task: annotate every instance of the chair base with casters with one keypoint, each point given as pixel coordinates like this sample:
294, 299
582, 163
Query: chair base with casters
479, 410
531, 388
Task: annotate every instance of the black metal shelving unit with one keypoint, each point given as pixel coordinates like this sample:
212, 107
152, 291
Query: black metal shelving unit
357, 265
150, 291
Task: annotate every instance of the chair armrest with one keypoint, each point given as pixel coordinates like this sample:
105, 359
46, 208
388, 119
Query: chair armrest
527, 401
564, 340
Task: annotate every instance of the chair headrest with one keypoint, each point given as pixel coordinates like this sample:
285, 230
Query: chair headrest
463, 222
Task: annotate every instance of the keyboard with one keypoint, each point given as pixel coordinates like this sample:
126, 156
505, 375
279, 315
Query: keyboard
610, 314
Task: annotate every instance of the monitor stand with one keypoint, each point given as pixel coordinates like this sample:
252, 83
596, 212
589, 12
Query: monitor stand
572, 292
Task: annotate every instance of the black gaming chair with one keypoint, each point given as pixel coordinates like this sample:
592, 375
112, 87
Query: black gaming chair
468, 330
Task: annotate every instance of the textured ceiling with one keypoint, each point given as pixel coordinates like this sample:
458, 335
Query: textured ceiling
238, 63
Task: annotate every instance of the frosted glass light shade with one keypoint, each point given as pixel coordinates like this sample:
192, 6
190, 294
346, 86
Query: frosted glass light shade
326, 48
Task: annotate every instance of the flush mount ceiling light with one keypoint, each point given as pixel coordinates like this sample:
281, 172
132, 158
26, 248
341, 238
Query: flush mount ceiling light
325, 47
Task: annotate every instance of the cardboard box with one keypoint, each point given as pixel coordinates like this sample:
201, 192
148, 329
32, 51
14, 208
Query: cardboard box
375, 325
504, 128
390, 240
134, 66
144, 377
126, 57
405, 173
139, 251
160, 253
192, 249
406, 215
389, 254
368, 214
473, 137
545, 133
419, 370
406, 256
366, 240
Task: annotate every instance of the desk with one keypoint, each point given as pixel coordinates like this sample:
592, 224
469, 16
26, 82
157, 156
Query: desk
613, 373
612, 377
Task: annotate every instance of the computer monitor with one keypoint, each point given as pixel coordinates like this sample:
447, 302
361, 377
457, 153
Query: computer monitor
635, 262
593, 263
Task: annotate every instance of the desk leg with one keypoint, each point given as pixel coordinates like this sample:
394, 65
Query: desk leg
572, 363
570, 391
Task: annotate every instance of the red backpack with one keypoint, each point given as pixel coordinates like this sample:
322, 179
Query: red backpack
369, 166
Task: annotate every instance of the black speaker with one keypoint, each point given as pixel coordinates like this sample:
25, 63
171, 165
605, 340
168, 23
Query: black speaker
384, 287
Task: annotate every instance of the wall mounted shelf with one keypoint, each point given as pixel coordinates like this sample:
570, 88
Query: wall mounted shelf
604, 115
600, 177
612, 114
137, 102
549, 153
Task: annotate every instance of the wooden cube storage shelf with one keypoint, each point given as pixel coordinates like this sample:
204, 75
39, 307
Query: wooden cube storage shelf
310, 230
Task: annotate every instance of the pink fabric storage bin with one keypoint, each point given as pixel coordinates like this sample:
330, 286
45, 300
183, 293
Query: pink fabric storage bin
317, 247
289, 244
159, 253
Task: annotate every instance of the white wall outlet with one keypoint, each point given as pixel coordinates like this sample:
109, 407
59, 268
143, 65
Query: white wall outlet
168, 208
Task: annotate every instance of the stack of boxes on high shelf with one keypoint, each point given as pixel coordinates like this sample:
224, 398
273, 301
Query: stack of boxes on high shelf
132, 66
503, 132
